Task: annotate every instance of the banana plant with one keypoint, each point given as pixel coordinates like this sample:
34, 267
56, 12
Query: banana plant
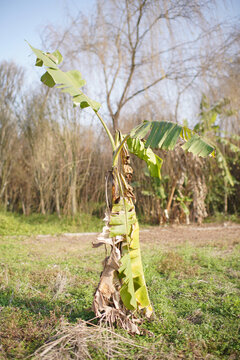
207, 126
122, 295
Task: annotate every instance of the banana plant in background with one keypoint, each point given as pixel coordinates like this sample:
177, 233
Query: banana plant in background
156, 191
183, 202
208, 127
122, 294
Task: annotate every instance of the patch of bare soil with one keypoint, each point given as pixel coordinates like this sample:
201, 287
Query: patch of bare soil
227, 234
166, 236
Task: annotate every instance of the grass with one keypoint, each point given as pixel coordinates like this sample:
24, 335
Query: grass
13, 224
17, 224
221, 218
194, 288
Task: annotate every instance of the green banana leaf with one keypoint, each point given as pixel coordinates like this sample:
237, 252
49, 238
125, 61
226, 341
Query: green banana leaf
165, 134
123, 222
223, 164
154, 162
127, 291
119, 225
70, 81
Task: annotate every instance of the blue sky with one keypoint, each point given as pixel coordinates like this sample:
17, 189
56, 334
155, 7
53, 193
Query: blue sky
25, 19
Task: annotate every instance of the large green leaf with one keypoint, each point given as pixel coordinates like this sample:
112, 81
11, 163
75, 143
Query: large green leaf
127, 291
141, 130
221, 159
133, 291
119, 225
69, 82
123, 222
141, 293
165, 134
154, 162
198, 146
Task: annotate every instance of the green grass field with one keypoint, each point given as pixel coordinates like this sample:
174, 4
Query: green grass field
194, 287
16, 224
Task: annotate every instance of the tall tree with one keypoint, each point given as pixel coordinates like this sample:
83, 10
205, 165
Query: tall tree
134, 45
11, 81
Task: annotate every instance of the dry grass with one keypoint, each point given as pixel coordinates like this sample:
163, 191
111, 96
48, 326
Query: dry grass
17, 329
88, 341
174, 264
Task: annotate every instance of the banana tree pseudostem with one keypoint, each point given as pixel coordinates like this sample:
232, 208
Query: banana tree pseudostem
122, 293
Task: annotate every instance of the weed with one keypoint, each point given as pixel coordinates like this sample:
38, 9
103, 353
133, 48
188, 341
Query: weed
173, 265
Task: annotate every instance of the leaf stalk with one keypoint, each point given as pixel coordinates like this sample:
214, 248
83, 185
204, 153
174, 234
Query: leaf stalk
118, 150
107, 130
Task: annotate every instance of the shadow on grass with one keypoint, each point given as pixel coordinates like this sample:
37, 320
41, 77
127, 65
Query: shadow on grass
36, 305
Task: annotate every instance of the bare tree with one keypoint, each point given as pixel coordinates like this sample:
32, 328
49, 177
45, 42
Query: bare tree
11, 81
134, 45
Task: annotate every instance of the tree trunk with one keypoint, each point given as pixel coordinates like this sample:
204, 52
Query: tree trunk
23, 208
42, 202
115, 122
6, 199
57, 203
74, 192
199, 188
225, 198
171, 197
